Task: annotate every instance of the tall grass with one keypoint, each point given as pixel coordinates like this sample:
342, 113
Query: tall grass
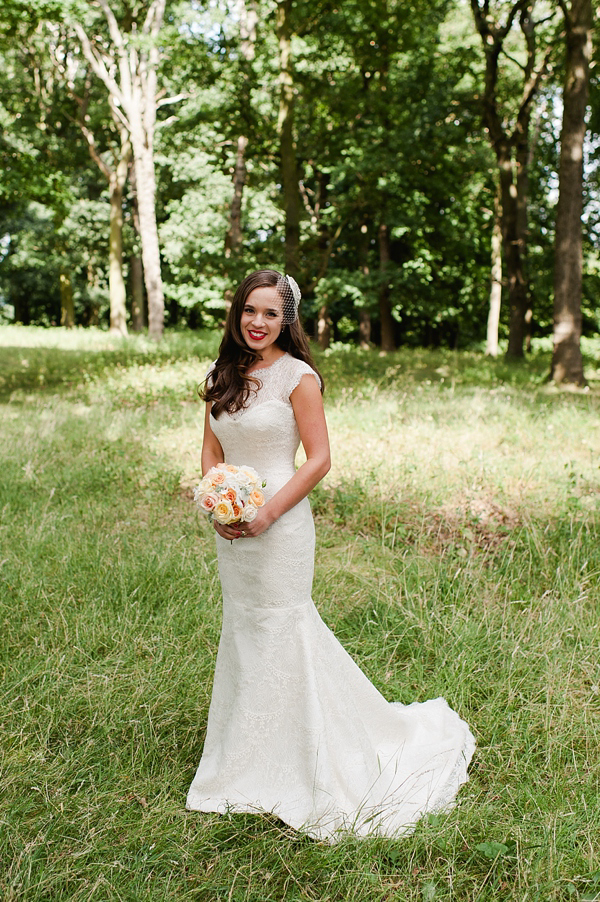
457, 555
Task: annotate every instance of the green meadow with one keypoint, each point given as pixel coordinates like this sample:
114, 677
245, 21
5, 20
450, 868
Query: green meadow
458, 554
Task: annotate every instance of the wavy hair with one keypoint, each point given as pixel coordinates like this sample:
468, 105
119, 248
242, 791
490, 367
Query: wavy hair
229, 384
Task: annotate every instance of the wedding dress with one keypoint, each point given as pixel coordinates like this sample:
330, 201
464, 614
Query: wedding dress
294, 726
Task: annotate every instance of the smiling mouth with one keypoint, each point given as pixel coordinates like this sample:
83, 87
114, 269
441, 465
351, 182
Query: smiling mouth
256, 336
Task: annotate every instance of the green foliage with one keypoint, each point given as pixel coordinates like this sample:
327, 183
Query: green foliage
387, 127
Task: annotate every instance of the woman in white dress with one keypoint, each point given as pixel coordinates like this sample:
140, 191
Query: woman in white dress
294, 727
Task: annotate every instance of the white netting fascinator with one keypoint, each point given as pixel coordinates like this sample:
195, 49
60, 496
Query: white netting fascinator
290, 294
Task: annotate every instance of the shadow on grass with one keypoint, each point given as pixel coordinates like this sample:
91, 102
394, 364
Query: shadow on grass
34, 368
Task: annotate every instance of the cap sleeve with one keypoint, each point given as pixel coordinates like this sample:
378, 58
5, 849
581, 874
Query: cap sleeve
297, 370
208, 377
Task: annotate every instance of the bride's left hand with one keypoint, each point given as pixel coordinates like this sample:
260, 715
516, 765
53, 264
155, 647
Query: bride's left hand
250, 530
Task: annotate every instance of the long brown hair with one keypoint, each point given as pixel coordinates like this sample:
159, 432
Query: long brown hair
229, 384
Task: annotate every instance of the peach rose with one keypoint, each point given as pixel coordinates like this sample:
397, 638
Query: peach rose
230, 495
218, 478
237, 510
209, 501
257, 498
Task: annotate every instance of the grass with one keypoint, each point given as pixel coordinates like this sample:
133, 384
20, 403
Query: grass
458, 555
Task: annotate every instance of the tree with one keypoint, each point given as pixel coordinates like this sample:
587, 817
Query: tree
133, 94
511, 144
116, 175
285, 129
567, 363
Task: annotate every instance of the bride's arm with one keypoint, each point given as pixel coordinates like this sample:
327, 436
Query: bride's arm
212, 453
307, 404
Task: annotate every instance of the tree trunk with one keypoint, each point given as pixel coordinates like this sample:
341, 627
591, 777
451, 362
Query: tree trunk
364, 328
513, 260
233, 239
133, 102
324, 327
385, 308
116, 282
146, 195
136, 269
567, 363
522, 156
285, 126
496, 287
364, 317
20, 302
67, 309
137, 293
513, 192
93, 310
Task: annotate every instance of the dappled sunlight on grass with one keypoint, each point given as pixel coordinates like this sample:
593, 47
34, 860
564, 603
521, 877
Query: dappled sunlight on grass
457, 555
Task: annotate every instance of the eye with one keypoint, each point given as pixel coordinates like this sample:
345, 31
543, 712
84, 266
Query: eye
272, 313
248, 309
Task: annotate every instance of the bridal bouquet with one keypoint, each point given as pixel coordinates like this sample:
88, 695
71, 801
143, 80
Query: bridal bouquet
230, 494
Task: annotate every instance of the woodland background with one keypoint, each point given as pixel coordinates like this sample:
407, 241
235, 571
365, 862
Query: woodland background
401, 159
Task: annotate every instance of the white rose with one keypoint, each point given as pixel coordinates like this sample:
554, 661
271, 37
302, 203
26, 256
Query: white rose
204, 486
249, 513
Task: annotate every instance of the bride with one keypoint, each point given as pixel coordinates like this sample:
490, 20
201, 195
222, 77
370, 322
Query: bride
294, 727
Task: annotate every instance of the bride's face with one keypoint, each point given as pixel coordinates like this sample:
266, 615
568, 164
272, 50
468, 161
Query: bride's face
262, 318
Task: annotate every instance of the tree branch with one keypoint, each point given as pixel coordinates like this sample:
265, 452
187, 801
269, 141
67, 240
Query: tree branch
97, 63
175, 99
119, 43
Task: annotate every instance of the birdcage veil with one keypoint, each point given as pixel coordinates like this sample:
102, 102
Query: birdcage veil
290, 294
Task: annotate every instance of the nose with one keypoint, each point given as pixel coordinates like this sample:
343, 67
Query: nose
257, 319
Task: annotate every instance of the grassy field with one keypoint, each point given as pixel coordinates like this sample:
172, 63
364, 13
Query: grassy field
457, 554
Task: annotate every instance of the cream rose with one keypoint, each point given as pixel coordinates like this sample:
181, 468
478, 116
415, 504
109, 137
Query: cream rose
223, 512
204, 486
257, 498
251, 473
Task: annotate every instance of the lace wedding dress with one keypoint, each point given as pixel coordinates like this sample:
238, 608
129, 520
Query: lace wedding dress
295, 727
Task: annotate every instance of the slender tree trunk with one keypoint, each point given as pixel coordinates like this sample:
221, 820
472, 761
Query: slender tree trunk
522, 155
324, 327
285, 128
136, 268
513, 260
364, 317
136, 271
248, 18
496, 287
146, 195
67, 309
116, 282
385, 308
21, 304
93, 311
567, 363
233, 239
364, 328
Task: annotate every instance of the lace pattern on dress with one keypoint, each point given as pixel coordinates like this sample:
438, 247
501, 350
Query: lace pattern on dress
277, 381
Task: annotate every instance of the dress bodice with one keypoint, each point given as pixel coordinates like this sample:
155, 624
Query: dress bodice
264, 434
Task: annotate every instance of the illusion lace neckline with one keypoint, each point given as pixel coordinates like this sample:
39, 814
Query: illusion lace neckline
261, 369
